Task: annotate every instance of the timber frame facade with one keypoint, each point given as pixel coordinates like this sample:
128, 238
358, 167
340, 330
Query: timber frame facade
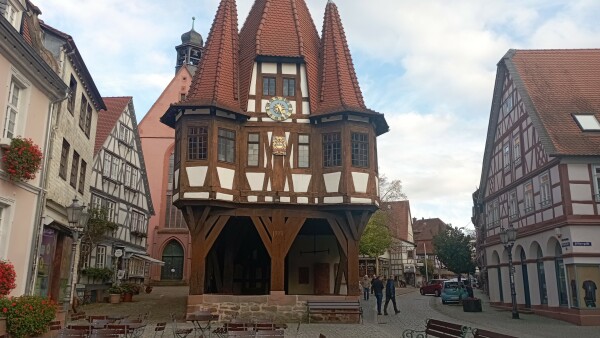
275, 203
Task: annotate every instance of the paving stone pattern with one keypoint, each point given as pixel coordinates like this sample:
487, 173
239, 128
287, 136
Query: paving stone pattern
415, 309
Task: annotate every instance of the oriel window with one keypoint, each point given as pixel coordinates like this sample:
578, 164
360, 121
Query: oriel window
253, 149
332, 150
197, 143
226, 145
268, 86
289, 87
360, 150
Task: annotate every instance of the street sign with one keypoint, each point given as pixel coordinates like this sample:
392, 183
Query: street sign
118, 253
566, 244
582, 243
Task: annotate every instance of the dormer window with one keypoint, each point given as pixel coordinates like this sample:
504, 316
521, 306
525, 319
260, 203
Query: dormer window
587, 122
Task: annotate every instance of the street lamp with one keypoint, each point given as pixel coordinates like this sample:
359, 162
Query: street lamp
77, 219
508, 237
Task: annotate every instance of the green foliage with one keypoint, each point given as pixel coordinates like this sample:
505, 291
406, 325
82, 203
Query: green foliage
453, 249
115, 289
96, 230
130, 288
376, 238
430, 269
27, 316
98, 273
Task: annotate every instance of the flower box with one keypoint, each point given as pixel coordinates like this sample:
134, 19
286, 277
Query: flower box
471, 305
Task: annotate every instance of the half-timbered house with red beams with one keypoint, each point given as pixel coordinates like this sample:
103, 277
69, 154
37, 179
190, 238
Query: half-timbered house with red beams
541, 176
275, 164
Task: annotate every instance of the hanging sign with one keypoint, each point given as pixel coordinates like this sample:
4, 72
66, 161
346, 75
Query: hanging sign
582, 243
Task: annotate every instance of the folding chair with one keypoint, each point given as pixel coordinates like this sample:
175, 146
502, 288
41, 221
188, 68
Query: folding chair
179, 332
160, 327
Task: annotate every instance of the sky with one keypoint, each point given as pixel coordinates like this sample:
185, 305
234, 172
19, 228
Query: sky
429, 66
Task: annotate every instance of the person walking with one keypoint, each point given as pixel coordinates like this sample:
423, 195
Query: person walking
366, 286
390, 294
378, 291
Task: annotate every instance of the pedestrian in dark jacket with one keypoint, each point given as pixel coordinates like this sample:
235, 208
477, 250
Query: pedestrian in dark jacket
390, 294
378, 291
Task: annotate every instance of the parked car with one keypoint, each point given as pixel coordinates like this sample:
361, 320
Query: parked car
452, 291
434, 287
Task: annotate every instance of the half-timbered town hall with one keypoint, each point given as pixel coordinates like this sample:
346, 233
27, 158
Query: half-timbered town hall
275, 164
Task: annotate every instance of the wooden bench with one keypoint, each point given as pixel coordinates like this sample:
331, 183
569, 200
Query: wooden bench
438, 328
334, 307
479, 333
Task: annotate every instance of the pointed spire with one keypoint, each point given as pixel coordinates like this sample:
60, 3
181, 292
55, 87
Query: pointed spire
279, 28
216, 80
193, 21
339, 86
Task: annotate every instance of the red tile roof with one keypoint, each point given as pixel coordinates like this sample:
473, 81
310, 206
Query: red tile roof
424, 230
279, 28
339, 86
399, 219
107, 120
560, 83
216, 80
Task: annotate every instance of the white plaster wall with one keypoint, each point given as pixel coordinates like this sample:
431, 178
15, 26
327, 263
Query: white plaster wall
360, 181
534, 283
253, 81
332, 181
301, 182
493, 280
303, 82
580, 192
269, 68
226, 177
255, 180
288, 68
578, 172
583, 209
196, 175
551, 285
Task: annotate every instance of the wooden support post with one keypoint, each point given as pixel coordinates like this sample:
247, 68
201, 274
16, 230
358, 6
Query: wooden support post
198, 258
352, 277
277, 251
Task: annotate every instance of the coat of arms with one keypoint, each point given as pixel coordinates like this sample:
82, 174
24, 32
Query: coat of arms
279, 145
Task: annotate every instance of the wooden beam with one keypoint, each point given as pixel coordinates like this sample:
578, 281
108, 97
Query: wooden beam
212, 237
262, 232
364, 219
292, 228
339, 234
208, 225
352, 224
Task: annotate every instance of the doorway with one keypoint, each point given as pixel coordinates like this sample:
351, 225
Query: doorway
173, 258
525, 279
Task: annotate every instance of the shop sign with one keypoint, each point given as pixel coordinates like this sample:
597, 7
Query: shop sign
582, 243
565, 244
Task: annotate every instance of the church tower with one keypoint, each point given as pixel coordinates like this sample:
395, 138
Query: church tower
190, 50
275, 161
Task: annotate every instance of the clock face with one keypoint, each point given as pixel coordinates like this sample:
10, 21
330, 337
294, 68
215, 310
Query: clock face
278, 108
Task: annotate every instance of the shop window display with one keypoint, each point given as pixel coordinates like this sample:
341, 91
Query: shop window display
584, 281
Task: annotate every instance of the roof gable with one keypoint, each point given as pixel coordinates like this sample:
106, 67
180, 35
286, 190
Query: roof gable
107, 120
399, 219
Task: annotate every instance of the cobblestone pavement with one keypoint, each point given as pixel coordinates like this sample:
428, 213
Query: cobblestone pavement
414, 308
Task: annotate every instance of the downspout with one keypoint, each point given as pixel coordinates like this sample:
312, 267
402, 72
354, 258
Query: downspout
38, 234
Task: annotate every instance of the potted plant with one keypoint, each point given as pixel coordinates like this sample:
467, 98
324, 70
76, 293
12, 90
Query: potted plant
22, 159
148, 288
115, 294
128, 290
27, 316
7, 284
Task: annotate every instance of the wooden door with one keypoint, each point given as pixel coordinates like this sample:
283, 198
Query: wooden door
321, 279
173, 258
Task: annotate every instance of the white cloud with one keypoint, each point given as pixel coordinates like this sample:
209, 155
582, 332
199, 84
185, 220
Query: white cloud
428, 65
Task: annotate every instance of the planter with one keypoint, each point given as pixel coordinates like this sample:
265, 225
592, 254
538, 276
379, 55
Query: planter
471, 305
128, 297
115, 298
3, 327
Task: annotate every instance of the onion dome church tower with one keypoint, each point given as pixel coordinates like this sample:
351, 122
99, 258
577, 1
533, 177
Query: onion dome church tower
190, 50
275, 165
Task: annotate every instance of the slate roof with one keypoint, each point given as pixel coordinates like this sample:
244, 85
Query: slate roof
557, 84
107, 120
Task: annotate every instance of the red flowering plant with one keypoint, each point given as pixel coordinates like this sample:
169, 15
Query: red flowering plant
22, 159
27, 316
7, 278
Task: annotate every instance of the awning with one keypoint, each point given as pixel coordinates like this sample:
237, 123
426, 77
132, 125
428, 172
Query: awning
149, 259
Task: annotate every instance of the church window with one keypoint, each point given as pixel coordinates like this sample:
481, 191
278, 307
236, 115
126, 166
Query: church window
72, 93
74, 169
303, 151
360, 150
268, 86
226, 145
289, 87
197, 143
253, 149
173, 216
177, 145
332, 150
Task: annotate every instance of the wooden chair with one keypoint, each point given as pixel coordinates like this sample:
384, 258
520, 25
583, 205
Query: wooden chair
86, 328
261, 326
120, 329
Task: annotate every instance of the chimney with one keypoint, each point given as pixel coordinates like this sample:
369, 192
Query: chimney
414, 220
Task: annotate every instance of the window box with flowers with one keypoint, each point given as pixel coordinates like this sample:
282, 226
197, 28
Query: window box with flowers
22, 159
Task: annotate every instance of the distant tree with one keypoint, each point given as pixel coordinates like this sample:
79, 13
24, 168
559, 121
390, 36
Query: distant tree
376, 238
430, 269
390, 190
453, 250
